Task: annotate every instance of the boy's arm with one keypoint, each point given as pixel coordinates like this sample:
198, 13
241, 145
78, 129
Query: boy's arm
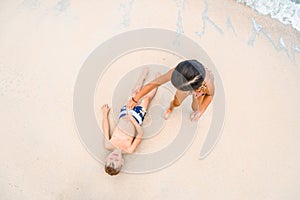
138, 138
106, 127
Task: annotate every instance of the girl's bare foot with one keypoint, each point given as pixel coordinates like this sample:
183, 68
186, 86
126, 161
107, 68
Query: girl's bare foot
195, 116
167, 113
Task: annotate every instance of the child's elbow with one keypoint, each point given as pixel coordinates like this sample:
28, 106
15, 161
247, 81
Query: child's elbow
130, 150
108, 146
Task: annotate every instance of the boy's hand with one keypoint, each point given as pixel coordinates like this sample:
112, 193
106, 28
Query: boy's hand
105, 109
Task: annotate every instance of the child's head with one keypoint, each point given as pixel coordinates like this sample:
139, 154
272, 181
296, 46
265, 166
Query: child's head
188, 75
114, 162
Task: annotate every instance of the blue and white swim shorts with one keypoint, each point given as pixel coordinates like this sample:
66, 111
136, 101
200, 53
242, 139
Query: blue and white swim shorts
138, 113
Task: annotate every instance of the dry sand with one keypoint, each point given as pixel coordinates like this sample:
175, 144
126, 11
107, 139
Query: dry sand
43, 45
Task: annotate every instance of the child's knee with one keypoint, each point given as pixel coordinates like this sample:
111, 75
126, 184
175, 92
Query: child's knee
175, 103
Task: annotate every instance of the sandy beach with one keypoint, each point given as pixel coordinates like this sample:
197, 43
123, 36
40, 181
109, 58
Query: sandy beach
45, 44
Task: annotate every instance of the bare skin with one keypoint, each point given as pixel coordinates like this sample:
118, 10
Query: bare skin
127, 135
202, 97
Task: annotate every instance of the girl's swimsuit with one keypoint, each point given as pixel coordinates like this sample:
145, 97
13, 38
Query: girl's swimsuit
138, 113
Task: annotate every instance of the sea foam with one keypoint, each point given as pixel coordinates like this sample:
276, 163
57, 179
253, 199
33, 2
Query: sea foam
286, 11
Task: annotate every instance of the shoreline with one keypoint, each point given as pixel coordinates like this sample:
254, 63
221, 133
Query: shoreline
285, 11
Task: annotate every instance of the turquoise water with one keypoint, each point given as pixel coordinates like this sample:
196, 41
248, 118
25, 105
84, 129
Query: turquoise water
286, 11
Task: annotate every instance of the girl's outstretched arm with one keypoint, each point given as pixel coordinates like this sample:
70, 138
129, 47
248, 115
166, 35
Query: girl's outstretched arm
149, 87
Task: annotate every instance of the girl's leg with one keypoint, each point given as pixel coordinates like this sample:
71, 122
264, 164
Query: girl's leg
178, 98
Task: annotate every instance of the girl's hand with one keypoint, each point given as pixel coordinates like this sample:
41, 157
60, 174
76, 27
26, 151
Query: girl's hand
105, 109
131, 103
195, 116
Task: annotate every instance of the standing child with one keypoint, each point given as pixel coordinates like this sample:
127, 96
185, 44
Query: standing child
189, 77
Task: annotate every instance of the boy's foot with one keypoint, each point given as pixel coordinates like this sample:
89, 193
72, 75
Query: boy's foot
140, 82
157, 74
144, 75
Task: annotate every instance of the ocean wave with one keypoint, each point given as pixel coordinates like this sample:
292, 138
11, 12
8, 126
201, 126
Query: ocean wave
286, 11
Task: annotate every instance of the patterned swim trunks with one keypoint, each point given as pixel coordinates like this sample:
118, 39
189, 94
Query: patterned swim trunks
138, 113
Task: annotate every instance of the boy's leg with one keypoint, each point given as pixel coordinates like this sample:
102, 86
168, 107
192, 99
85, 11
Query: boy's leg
140, 82
148, 98
138, 87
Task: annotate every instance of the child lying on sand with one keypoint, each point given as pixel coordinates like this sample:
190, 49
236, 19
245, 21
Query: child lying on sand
127, 135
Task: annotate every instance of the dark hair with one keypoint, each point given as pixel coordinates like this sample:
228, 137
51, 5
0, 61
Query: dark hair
188, 75
111, 170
